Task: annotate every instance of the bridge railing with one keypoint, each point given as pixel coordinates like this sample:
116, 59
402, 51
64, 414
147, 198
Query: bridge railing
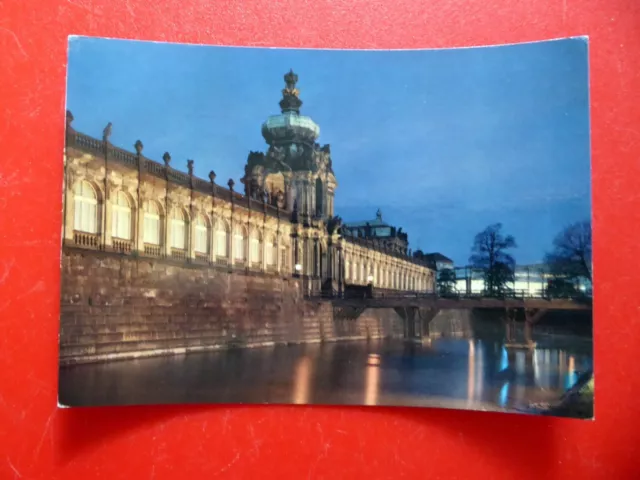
368, 293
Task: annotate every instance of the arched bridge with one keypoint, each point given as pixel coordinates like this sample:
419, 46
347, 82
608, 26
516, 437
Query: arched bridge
433, 301
417, 311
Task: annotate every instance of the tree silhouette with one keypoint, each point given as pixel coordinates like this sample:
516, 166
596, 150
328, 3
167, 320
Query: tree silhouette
561, 288
489, 254
446, 281
570, 258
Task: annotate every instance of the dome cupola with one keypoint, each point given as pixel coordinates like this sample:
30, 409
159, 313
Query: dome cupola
290, 126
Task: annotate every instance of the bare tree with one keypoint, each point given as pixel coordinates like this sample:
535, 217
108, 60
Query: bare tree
571, 254
489, 253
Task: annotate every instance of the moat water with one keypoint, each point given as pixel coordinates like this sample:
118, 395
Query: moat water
444, 372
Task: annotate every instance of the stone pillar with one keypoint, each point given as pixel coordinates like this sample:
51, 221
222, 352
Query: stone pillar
330, 259
296, 253
301, 198
340, 272
232, 241
301, 194
288, 192
316, 258
191, 232
214, 239
69, 213
277, 252
166, 230
139, 234
262, 247
108, 211
211, 237
308, 249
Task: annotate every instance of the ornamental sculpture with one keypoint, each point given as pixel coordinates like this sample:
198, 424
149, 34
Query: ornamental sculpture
106, 133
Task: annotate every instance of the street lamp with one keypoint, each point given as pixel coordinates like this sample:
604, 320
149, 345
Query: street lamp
298, 268
370, 279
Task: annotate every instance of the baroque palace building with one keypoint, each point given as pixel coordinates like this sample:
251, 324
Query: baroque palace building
284, 223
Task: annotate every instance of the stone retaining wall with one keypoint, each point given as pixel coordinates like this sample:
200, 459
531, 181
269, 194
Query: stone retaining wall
115, 306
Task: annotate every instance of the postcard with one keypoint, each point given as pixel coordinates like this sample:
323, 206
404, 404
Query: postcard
297, 226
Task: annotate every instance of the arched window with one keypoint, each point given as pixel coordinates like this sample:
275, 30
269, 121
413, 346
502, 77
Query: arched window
121, 217
85, 208
178, 229
255, 247
222, 239
201, 244
151, 234
270, 251
319, 198
284, 257
316, 259
239, 236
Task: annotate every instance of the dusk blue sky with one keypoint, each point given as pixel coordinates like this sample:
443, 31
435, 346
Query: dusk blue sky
444, 142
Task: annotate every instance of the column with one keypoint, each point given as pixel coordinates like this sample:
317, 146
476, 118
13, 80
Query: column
166, 230
232, 240
306, 262
214, 239
69, 210
288, 192
108, 211
316, 258
190, 240
340, 271
277, 252
262, 248
139, 229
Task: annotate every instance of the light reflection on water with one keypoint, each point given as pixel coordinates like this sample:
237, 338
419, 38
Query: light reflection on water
457, 373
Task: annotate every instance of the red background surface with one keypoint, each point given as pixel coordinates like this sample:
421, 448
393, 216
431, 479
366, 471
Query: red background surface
38, 440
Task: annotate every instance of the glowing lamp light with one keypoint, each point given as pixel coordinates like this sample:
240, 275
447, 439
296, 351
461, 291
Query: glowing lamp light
370, 278
298, 267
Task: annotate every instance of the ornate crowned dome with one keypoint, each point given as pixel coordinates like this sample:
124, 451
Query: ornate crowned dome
290, 126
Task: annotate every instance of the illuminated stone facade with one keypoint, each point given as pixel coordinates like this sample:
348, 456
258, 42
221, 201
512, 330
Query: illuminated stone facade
284, 224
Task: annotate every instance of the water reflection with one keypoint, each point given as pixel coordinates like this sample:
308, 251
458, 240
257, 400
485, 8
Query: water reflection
471, 382
458, 373
372, 380
302, 380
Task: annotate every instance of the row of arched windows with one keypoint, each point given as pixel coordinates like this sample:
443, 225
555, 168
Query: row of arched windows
87, 216
383, 277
